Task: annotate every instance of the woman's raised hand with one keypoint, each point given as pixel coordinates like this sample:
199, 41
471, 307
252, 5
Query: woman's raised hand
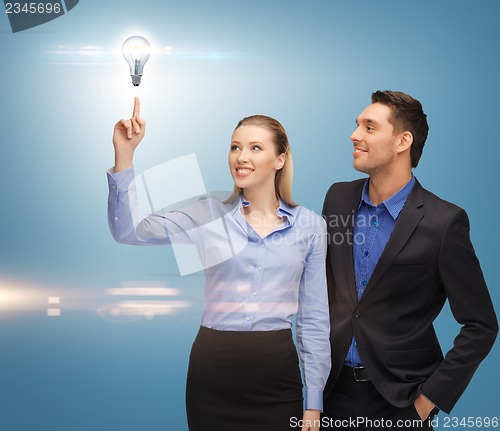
127, 136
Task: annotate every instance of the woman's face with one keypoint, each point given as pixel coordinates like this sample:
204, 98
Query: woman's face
253, 161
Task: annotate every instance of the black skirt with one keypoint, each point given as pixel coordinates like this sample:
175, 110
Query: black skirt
243, 381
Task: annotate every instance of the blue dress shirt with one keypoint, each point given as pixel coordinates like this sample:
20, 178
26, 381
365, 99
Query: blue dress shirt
372, 229
251, 283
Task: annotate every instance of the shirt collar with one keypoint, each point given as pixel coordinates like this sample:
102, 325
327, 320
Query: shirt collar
395, 203
283, 210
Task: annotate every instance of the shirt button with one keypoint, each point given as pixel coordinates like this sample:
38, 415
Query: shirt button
374, 223
254, 293
116, 218
364, 283
367, 253
262, 245
248, 318
259, 268
356, 315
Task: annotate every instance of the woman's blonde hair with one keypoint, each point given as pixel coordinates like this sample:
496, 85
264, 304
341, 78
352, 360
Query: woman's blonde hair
284, 176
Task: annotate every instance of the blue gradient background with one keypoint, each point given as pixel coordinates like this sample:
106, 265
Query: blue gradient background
312, 65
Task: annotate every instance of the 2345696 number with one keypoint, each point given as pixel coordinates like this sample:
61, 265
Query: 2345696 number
39, 8
468, 422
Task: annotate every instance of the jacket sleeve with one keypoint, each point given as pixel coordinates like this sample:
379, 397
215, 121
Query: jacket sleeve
472, 308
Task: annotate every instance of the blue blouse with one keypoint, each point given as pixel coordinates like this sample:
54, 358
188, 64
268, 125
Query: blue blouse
251, 283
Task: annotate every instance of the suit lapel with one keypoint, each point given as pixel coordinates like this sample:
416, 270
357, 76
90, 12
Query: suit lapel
408, 219
351, 205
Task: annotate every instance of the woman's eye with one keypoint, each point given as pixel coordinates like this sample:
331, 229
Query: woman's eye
234, 147
256, 147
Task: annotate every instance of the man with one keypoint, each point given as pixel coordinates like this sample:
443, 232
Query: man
396, 253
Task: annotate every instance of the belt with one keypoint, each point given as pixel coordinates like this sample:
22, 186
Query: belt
359, 373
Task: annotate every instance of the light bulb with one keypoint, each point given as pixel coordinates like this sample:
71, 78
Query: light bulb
136, 51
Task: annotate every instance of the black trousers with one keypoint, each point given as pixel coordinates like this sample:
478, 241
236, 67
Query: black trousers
359, 406
244, 381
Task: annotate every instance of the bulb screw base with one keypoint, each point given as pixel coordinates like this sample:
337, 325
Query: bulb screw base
136, 80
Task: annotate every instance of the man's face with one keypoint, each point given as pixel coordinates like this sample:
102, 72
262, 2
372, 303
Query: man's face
374, 140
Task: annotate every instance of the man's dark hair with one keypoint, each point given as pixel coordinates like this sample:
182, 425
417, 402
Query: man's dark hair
407, 115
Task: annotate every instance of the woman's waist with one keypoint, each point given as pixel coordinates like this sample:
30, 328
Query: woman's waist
255, 321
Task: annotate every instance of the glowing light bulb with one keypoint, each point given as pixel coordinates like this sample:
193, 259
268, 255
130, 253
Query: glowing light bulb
136, 51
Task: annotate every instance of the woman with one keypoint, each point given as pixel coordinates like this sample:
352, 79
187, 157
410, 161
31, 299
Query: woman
264, 260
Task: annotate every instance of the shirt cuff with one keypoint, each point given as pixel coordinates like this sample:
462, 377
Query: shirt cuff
120, 180
314, 399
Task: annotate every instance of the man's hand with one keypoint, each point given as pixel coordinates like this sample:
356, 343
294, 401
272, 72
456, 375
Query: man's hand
423, 406
311, 420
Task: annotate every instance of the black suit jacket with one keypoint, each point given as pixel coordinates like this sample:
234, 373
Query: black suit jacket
429, 258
